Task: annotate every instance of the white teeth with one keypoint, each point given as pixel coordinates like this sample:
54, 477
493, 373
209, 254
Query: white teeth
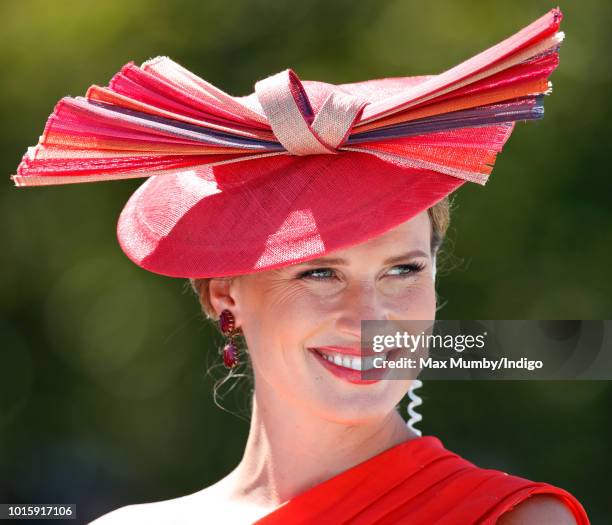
352, 362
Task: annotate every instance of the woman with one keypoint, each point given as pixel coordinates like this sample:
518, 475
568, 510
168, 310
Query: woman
297, 212
335, 449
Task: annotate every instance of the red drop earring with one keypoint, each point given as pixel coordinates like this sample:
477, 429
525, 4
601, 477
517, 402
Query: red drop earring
227, 324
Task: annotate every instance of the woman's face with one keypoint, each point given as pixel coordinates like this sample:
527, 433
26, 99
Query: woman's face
287, 313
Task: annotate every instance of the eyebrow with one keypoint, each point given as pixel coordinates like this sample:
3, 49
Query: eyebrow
343, 262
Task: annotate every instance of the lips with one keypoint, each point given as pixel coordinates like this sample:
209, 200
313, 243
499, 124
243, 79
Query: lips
333, 359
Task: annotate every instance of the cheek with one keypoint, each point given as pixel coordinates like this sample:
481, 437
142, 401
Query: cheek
290, 309
414, 301
276, 337
278, 318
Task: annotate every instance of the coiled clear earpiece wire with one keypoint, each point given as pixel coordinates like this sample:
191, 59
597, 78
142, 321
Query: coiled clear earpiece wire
415, 401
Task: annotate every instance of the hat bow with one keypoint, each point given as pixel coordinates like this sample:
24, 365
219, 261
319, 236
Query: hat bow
288, 110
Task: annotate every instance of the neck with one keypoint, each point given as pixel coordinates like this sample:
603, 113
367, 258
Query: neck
290, 450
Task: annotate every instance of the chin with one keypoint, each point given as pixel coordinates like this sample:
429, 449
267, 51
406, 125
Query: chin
355, 408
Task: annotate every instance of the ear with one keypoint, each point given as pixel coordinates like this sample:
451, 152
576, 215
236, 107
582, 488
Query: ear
222, 293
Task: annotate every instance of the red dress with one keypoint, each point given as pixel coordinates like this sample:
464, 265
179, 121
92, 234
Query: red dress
417, 482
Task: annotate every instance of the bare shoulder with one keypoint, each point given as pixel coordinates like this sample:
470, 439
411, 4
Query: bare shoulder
212, 502
124, 515
154, 513
184, 510
539, 509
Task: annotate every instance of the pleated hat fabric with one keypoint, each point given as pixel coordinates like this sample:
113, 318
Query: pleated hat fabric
295, 170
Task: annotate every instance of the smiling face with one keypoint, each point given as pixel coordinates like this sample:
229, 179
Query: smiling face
286, 314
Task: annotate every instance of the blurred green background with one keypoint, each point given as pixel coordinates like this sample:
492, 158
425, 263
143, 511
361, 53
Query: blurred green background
104, 395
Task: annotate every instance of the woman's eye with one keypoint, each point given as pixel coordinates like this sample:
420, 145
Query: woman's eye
407, 269
320, 274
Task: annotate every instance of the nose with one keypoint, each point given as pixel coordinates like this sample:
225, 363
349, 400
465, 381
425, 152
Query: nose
360, 302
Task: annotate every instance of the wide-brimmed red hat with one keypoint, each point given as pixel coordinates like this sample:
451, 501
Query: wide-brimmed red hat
296, 169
